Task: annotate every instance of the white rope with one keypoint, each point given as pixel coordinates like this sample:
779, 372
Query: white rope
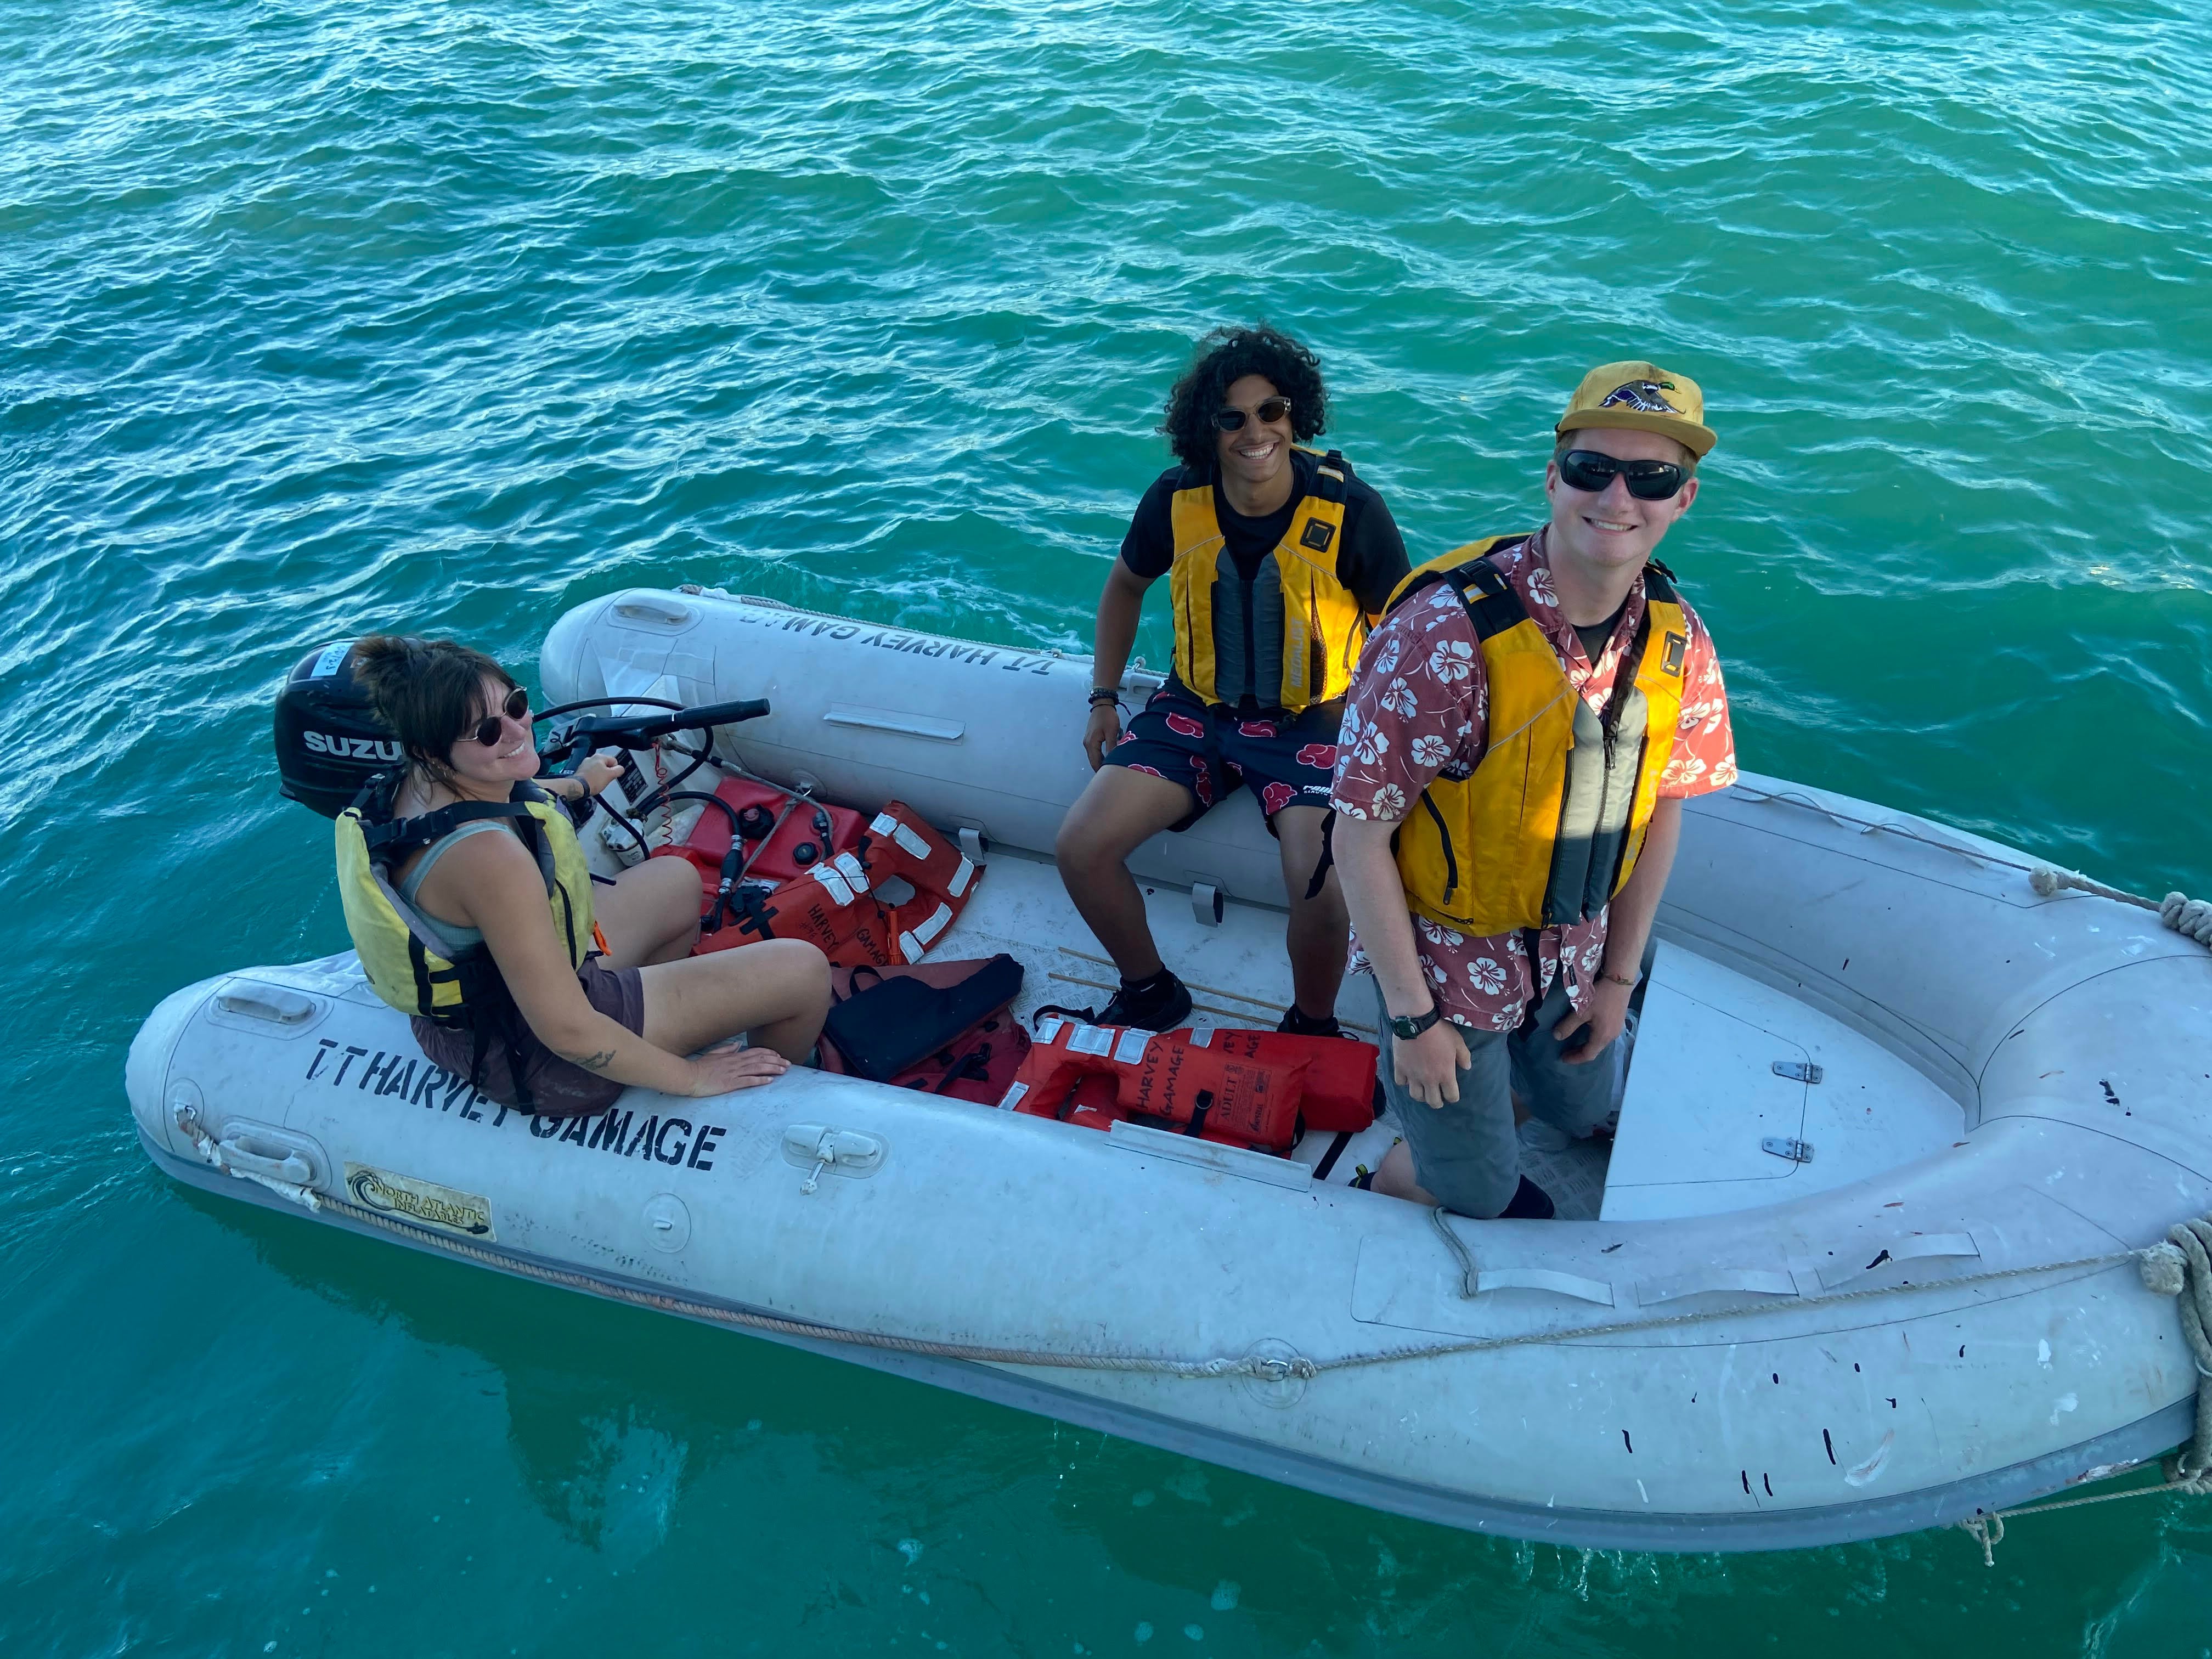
208, 1148
1268, 1369
2180, 1268
2049, 879
1263, 1368
2185, 1264
2186, 916
2190, 918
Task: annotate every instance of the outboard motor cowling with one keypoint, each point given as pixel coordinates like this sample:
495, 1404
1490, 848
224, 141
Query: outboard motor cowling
329, 743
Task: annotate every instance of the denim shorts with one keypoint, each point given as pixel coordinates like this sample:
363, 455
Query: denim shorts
1468, 1153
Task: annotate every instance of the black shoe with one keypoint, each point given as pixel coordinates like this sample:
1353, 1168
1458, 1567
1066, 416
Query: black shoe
1530, 1203
1159, 1004
1150, 1010
1296, 1023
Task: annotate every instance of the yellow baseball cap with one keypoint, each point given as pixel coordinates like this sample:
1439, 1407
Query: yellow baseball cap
1644, 398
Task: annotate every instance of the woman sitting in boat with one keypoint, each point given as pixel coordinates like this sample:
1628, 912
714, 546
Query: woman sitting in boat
468, 898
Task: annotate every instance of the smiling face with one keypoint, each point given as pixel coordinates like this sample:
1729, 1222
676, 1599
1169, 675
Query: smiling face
1610, 531
491, 771
1257, 452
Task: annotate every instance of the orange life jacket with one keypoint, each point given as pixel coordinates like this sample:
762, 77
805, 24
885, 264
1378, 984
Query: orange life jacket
942, 876
1341, 1088
1244, 1088
1243, 1099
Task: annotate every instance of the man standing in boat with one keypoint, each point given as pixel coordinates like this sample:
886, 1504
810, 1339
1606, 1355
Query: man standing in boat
1524, 729
1277, 560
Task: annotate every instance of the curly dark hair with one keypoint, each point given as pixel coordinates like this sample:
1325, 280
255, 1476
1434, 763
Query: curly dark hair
429, 692
1227, 355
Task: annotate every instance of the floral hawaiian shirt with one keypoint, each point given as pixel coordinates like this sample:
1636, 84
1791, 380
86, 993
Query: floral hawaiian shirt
1417, 710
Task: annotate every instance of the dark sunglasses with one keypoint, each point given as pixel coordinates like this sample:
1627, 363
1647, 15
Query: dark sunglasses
486, 730
1587, 471
1269, 409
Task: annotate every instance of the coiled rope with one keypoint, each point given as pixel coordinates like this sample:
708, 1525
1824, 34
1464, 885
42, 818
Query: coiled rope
2190, 918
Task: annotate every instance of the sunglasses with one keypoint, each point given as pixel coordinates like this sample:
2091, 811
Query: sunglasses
1587, 471
486, 730
1269, 409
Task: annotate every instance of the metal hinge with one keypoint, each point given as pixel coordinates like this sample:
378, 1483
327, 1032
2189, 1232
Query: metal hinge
1797, 1070
1797, 1152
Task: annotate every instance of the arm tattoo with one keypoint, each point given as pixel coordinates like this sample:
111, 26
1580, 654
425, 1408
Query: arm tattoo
599, 1062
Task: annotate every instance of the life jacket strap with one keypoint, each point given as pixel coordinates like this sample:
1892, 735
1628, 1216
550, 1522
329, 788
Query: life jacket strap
1329, 476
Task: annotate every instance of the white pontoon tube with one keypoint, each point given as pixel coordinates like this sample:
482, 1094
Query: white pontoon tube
1868, 1255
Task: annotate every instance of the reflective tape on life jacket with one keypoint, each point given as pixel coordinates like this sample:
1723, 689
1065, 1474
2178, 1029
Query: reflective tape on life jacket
1548, 826
400, 950
837, 905
1288, 638
832, 906
942, 876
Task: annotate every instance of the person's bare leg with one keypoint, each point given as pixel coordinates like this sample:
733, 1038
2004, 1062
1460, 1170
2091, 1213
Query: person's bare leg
1120, 810
1319, 930
651, 913
776, 991
1394, 1175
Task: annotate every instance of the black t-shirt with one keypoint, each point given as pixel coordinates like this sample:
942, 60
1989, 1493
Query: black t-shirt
1597, 635
1372, 561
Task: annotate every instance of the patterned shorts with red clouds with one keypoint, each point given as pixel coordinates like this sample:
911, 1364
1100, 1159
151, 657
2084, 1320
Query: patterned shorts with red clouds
1284, 760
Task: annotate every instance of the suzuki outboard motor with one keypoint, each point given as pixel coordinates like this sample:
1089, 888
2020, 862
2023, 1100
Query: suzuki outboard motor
328, 742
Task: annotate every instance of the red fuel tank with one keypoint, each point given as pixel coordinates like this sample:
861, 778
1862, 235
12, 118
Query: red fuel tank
798, 845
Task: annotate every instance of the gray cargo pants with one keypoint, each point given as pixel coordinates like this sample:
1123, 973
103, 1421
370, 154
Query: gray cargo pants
1468, 1153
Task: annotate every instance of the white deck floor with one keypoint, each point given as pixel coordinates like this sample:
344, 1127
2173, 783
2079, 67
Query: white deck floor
1701, 1096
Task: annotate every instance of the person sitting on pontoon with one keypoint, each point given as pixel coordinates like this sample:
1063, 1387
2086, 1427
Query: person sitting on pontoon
1524, 729
467, 896
1278, 559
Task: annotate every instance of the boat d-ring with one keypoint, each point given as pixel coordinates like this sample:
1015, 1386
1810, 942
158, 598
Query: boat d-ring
1276, 1373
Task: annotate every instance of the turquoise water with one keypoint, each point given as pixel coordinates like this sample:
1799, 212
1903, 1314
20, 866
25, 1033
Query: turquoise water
316, 318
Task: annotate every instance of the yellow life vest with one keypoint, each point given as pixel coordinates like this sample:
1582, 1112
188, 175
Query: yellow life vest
401, 953
1548, 826
1287, 643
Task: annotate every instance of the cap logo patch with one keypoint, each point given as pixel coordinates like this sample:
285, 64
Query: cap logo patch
1645, 395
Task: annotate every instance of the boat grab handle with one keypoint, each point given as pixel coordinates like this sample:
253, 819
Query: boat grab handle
1752, 1281
891, 720
292, 1169
1545, 1278
1915, 1247
279, 1007
1472, 1283
669, 613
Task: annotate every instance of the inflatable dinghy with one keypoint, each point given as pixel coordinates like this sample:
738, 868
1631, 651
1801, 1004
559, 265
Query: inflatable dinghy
1861, 1260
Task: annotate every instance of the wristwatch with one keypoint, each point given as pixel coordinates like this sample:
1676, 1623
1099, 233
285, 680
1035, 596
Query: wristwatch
1407, 1027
